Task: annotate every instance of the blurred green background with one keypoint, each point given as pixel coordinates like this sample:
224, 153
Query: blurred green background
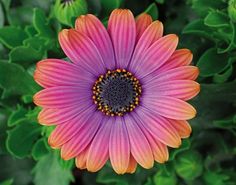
28, 33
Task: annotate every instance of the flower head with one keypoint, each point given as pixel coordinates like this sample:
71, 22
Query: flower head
122, 96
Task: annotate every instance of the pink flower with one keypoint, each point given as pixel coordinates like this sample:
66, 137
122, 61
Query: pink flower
122, 96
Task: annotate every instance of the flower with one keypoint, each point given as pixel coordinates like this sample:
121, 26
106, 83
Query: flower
123, 95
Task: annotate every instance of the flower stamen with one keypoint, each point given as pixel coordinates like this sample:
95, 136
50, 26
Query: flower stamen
117, 92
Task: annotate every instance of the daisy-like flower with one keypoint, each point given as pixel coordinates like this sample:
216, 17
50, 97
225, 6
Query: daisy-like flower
123, 95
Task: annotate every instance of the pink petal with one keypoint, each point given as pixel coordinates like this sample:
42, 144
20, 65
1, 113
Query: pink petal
139, 145
179, 73
182, 127
119, 148
80, 160
142, 22
64, 132
63, 96
85, 135
181, 57
91, 26
122, 29
155, 56
55, 72
86, 52
99, 150
181, 89
153, 32
61, 115
159, 150
66, 45
159, 127
132, 165
170, 107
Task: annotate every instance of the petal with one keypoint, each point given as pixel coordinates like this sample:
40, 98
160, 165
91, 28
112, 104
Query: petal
58, 116
132, 165
159, 150
65, 43
91, 26
179, 73
122, 29
170, 107
156, 55
159, 127
119, 149
63, 96
84, 136
80, 160
181, 89
86, 52
139, 145
181, 57
150, 35
99, 150
182, 127
142, 22
64, 132
55, 72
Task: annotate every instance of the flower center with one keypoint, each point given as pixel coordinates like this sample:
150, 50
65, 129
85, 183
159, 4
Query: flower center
117, 92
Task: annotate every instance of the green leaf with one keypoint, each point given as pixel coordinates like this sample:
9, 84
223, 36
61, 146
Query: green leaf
48, 171
15, 80
40, 149
216, 19
163, 177
202, 7
213, 178
212, 63
26, 55
223, 76
153, 11
232, 43
41, 24
20, 16
226, 123
7, 182
45, 5
197, 27
184, 146
17, 116
188, 165
1, 16
21, 138
108, 6
160, 1
12, 36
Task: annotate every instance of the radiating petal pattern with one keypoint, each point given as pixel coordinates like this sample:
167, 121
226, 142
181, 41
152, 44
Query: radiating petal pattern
86, 133
153, 32
98, 152
122, 94
159, 127
94, 29
142, 22
55, 72
122, 29
140, 148
170, 107
64, 132
119, 146
155, 56
181, 89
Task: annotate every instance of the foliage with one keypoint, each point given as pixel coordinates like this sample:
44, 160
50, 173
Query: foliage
28, 33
